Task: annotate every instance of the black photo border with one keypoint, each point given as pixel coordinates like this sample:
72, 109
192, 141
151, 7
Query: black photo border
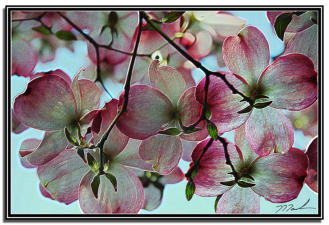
8, 216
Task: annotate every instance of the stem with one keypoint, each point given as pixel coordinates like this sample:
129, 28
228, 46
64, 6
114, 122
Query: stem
100, 144
227, 157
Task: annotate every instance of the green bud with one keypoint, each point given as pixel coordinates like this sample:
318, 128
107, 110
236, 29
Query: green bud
244, 184
195, 171
262, 105
228, 183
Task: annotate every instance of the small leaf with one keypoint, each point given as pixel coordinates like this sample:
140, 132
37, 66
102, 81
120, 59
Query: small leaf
195, 171
42, 29
216, 201
71, 138
95, 185
281, 24
190, 189
246, 110
113, 180
262, 105
171, 17
244, 184
228, 183
171, 131
248, 176
212, 130
260, 96
91, 160
148, 27
65, 35
190, 131
81, 153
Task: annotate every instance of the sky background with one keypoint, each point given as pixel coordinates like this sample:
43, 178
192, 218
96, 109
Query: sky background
25, 195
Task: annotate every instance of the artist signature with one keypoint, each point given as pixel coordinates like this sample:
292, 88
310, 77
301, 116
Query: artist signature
290, 207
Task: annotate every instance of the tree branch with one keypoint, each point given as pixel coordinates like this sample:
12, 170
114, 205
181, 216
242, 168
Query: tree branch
100, 144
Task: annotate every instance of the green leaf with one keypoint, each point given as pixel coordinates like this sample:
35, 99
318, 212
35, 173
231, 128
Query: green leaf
281, 24
65, 35
81, 153
190, 189
228, 183
195, 171
113, 180
95, 185
212, 130
260, 96
262, 105
190, 131
244, 184
216, 201
248, 176
42, 29
171, 17
208, 112
148, 27
91, 160
171, 131
246, 110
71, 138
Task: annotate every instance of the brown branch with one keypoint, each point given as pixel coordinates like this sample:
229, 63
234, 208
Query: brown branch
100, 144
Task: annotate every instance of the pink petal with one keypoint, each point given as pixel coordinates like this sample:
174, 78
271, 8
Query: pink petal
241, 141
223, 23
24, 58
129, 197
247, 54
16, 126
224, 105
280, 177
129, 157
202, 45
28, 146
153, 197
44, 192
163, 151
239, 201
116, 141
47, 104
174, 177
312, 154
53, 143
168, 80
188, 147
57, 72
212, 168
267, 130
141, 121
61, 176
306, 43
290, 82
301, 22
190, 111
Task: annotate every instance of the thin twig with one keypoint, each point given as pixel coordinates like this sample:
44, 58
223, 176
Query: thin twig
100, 144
